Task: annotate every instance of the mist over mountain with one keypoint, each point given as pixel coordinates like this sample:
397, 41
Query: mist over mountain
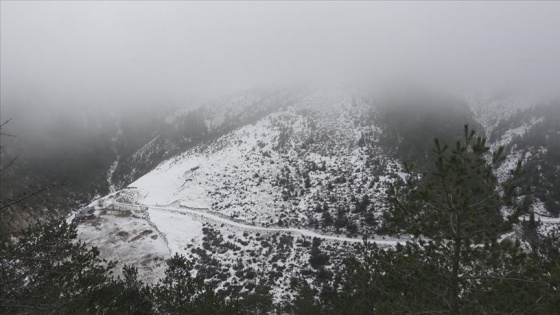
280, 157
358, 134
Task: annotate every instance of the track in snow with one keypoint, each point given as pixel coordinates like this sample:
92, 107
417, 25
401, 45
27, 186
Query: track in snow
304, 232
200, 212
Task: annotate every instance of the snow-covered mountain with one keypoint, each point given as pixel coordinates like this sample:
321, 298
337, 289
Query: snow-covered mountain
244, 184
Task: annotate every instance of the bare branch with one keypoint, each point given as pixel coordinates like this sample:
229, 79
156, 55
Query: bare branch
28, 194
5, 123
2, 125
9, 164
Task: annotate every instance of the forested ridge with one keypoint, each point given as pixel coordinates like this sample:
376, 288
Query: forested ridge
463, 259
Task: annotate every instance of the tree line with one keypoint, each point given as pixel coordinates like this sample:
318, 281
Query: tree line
470, 254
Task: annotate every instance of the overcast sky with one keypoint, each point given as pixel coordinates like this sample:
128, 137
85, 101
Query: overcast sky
60, 55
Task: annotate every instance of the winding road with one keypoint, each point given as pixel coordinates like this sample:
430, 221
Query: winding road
217, 218
204, 213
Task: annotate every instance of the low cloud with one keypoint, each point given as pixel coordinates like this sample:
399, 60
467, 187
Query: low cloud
62, 57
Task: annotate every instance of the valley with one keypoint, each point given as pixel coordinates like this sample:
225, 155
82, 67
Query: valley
279, 157
317, 168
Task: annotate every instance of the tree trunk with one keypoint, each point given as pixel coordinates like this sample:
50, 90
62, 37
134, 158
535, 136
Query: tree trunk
454, 281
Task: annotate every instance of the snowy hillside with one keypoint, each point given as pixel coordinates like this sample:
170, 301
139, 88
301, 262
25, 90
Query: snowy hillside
288, 169
270, 173
310, 169
491, 110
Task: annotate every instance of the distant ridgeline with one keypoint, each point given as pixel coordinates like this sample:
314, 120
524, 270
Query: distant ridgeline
411, 124
535, 138
114, 151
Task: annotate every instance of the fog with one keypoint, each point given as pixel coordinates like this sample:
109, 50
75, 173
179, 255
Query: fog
62, 57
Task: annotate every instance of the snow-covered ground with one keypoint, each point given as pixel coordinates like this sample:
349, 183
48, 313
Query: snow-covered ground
180, 222
147, 237
490, 110
253, 200
179, 229
256, 173
129, 240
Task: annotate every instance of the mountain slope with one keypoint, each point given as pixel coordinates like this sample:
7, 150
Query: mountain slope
237, 197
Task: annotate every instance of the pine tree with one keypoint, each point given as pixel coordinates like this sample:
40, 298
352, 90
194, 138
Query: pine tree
181, 293
318, 208
47, 271
457, 206
304, 302
341, 219
317, 258
458, 263
327, 219
130, 294
258, 302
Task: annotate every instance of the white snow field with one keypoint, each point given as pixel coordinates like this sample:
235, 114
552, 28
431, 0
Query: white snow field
252, 200
129, 240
